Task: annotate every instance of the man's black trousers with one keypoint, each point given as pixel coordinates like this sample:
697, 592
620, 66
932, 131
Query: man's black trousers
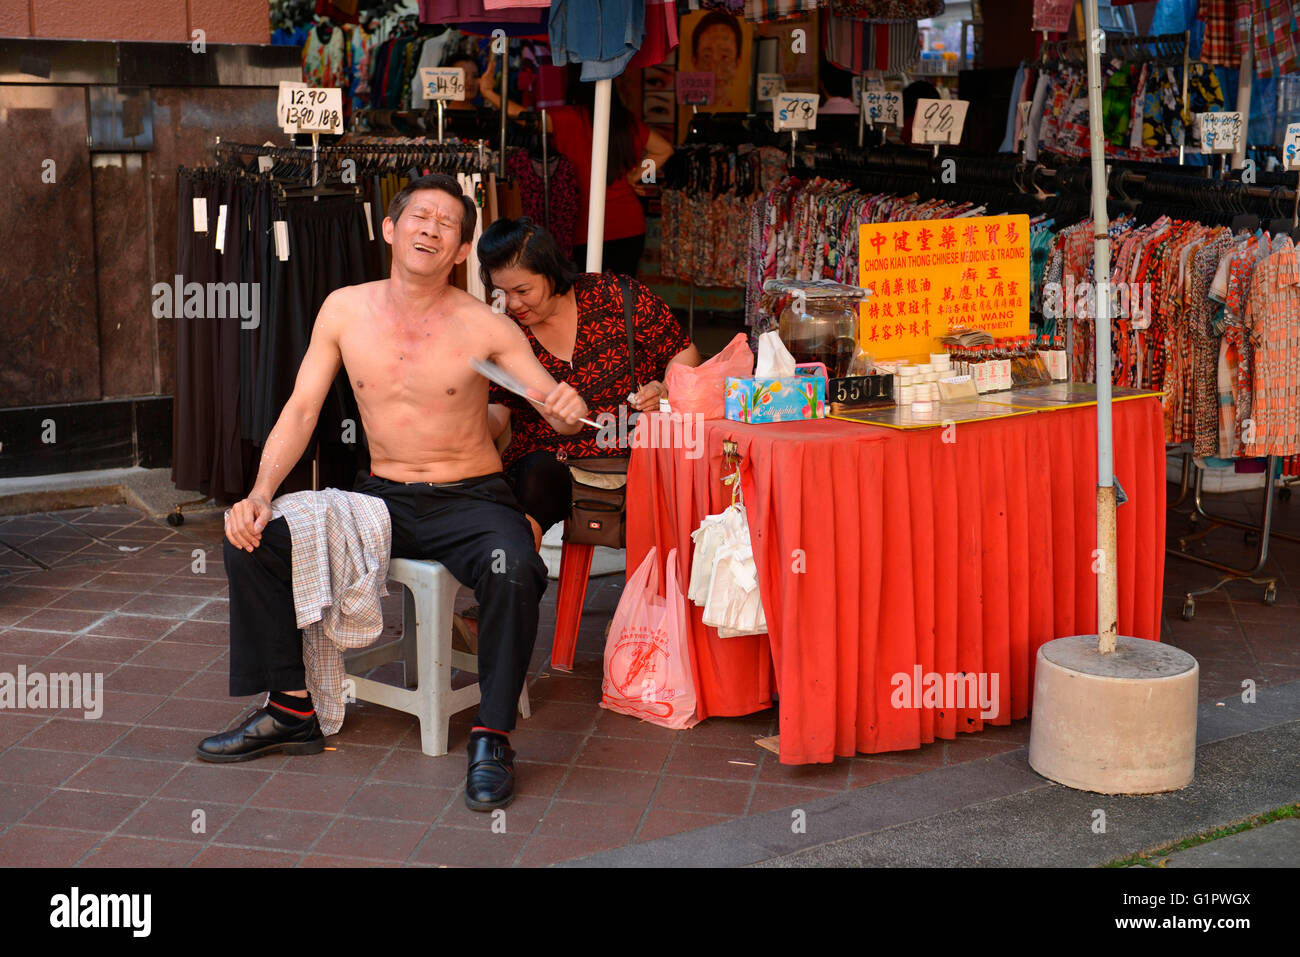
474, 527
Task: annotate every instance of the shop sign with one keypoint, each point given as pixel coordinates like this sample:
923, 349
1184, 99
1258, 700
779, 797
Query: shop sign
443, 83
795, 111
1220, 132
929, 275
1053, 15
939, 121
696, 89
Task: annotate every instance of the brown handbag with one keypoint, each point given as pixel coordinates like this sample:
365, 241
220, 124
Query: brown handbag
599, 515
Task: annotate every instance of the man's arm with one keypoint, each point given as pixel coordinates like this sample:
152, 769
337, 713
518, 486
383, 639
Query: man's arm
561, 407
293, 429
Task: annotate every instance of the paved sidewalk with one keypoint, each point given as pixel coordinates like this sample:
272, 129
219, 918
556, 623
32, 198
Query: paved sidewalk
110, 590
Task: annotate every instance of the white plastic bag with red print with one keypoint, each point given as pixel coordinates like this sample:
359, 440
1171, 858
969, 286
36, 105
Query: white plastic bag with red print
647, 661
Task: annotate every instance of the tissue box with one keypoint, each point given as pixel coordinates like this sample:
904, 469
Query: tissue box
781, 399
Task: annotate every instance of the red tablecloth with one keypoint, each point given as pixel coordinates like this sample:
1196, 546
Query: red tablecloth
957, 556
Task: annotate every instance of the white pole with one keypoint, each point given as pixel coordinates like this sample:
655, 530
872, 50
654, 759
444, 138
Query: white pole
599, 165
1105, 559
1244, 78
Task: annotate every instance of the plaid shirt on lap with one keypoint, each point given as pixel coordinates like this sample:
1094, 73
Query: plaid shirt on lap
341, 545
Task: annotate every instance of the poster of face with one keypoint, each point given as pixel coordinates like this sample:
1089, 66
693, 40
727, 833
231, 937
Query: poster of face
721, 43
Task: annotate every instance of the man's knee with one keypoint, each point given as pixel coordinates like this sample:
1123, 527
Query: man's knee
515, 566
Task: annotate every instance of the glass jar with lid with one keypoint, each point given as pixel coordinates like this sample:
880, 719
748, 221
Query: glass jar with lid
820, 322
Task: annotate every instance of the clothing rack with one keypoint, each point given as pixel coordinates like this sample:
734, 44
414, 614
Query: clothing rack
1166, 49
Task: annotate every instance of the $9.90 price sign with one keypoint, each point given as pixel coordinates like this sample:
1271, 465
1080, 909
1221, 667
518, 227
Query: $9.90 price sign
305, 109
795, 111
1291, 147
939, 121
1220, 132
443, 83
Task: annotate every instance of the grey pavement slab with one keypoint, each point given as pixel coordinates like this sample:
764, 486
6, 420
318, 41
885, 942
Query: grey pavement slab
999, 812
1275, 844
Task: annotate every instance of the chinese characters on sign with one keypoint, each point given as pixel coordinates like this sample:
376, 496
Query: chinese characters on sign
931, 274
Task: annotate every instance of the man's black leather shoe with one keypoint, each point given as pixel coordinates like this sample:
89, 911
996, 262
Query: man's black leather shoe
490, 783
261, 734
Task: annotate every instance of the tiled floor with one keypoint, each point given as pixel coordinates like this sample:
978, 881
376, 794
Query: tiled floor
106, 590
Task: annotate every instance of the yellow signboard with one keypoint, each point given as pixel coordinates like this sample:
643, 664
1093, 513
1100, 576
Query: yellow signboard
928, 275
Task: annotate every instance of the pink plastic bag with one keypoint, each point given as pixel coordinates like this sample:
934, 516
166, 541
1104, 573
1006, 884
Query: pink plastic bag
647, 661
700, 389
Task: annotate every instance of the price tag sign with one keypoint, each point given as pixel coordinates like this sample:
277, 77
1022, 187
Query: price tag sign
769, 85
939, 121
695, 89
443, 83
882, 107
1220, 132
795, 111
282, 104
1291, 147
311, 109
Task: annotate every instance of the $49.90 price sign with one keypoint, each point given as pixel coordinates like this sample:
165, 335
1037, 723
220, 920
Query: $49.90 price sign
1220, 132
939, 121
306, 109
795, 111
443, 83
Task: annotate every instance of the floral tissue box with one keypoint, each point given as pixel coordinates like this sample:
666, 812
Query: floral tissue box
784, 399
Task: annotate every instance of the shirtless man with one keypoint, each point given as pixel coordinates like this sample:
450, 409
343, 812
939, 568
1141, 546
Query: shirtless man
406, 344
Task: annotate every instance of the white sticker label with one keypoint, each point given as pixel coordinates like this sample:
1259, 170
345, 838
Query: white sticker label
265, 164
443, 83
769, 85
795, 111
370, 227
1291, 147
281, 231
1024, 107
221, 227
200, 215
1220, 132
883, 107
939, 121
314, 110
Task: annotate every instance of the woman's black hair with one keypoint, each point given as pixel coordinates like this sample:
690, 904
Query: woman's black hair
623, 154
464, 58
521, 242
716, 18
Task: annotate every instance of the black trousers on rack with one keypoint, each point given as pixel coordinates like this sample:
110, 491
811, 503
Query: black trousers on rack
474, 527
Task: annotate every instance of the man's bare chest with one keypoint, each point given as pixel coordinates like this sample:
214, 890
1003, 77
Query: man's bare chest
425, 365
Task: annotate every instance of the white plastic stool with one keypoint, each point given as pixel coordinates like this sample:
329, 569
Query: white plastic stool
428, 598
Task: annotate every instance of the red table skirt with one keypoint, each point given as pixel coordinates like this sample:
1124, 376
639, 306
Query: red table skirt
881, 551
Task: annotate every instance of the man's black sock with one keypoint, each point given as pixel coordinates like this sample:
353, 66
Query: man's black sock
290, 709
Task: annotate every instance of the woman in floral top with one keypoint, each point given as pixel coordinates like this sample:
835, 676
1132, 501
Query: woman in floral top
574, 322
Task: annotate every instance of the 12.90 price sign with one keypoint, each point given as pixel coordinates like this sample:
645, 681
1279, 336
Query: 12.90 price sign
795, 111
312, 109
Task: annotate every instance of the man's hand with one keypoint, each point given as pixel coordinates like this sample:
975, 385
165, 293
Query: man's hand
245, 521
562, 407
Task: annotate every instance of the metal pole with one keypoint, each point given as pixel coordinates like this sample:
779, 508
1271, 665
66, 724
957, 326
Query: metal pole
599, 165
505, 110
1244, 78
440, 118
1187, 114
1107, 598
546, 178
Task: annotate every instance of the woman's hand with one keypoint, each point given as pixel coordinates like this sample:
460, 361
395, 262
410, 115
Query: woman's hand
646, 399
